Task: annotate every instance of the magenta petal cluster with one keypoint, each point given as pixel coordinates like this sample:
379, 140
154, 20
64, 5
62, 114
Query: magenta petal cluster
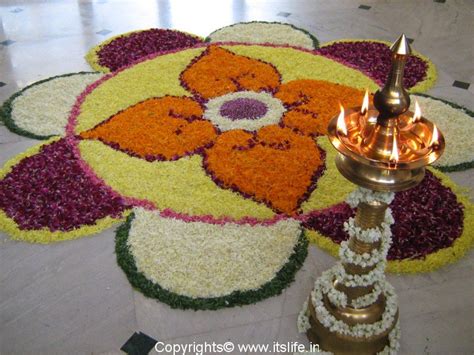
50, 190
374, 59
427, 217
129, 48
330, 221
243, 108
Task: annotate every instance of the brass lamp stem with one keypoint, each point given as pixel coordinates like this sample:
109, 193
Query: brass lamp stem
369, 215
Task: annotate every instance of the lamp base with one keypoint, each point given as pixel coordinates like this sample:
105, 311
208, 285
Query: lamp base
343, 344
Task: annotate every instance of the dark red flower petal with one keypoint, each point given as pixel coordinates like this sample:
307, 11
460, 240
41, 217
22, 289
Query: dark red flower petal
131, 47
50, 190
374, 59
427, 218
330, 221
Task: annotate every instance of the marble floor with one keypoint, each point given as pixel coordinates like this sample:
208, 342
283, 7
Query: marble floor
72, 298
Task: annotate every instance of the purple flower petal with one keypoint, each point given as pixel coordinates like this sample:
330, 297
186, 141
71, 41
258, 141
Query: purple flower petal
243, 108
374, 59
129, 48
427, 217
330, 221
50, 190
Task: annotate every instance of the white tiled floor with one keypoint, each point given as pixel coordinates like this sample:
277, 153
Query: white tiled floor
71, 297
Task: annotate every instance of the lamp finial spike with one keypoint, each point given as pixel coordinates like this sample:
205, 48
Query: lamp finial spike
393, 99
401, 46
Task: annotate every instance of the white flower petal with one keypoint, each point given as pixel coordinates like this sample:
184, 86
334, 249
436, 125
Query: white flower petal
264, 32
198, 259
456, 126
43, 109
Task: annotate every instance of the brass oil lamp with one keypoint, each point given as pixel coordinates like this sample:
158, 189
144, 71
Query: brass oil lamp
382, 148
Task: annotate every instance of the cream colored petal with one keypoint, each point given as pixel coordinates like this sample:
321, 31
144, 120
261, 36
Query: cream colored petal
198, 259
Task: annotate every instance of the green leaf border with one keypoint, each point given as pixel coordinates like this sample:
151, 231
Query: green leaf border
139, 281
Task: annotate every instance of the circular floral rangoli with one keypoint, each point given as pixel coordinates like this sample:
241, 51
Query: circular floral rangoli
216, 152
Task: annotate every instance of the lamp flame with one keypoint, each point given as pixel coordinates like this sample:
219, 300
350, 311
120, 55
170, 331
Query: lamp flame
434, 136
341, 122
417, 115
365, 103
394, 156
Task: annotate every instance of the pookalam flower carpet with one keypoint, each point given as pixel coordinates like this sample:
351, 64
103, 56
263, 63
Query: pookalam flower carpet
211, 154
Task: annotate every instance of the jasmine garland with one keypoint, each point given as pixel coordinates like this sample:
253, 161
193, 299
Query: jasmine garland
359, 330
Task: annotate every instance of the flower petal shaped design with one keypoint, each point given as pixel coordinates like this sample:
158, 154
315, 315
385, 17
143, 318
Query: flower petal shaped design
428, 218
41, 110
218, 71
262, 32
312, 103
208, 266
456, 123
374, 58
120, 51
165, 128
203, 260
275, 165
50, 190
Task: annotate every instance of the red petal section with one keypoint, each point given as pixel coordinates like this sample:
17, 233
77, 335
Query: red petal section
129, 48
374, 59
50, 190
427, 218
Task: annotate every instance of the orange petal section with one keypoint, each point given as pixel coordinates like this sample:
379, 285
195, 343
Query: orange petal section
275, 166
312, 103
218, 72
165, 128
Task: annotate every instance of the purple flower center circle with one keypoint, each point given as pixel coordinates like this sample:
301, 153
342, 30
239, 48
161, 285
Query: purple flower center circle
243, 108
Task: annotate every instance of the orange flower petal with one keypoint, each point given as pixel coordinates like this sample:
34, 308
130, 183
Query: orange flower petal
163, 128
275, 166
218, 71
312, 103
